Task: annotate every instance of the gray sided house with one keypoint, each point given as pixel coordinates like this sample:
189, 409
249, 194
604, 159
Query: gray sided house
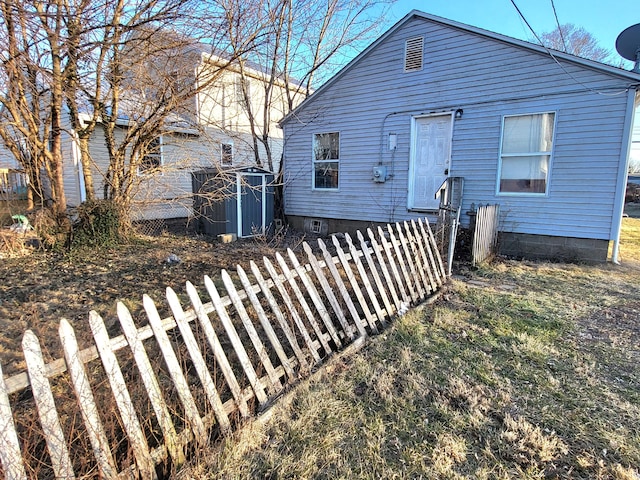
545, 135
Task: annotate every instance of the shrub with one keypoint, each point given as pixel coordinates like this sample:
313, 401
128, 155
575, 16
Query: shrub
98, 224
52, 231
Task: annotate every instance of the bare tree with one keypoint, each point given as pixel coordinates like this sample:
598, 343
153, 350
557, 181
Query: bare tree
577, 41
110, 69
128, 72
293, 46
31, 99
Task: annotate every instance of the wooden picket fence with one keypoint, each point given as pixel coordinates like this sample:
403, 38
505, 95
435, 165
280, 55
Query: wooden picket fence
135, 404
485, 234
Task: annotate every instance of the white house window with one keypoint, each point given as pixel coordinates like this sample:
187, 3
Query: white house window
413, 54
326, 160
152, 159
226, 152
525, 154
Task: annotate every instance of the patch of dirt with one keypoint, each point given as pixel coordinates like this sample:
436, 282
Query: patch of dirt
613, 329
38, 289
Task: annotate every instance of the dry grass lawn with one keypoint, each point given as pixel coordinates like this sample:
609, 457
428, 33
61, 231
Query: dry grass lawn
520, 370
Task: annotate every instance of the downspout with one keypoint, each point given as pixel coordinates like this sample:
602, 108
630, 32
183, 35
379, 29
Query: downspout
75, 153
633, 101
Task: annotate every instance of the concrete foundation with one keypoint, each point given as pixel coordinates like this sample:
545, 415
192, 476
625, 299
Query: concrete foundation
325, 226
546, 247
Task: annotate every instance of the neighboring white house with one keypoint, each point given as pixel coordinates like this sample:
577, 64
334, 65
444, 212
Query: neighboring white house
211, 130
544, 134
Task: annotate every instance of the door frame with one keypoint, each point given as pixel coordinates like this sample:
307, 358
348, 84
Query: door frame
413, 152
263, 201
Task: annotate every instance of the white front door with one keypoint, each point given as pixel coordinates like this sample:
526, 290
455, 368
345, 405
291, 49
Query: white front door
430, 158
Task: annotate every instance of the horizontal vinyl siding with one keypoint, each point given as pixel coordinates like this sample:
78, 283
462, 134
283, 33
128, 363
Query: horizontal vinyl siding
488, 79
168, 195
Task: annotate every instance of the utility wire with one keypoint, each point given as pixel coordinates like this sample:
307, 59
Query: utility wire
555, 14
591, 89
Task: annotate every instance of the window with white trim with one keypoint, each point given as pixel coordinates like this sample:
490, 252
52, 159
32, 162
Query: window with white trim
152, 159
525, 153
326, 160
413, 54
226, 154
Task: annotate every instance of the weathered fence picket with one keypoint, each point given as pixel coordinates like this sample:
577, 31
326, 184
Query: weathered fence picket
151, 383
344, 261
485, 233
211, 359
282, 321
292, 309
53, 434
376, 276
274, 385
291, 278
328, 291
378, 250
254, 380
395, 244
342, 288
198, 360
364, 279
217, 350
88, 407
130, 421
193, 418
10, 454
315, 296
418, 267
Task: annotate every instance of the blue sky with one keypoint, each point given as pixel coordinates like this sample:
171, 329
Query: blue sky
604, 19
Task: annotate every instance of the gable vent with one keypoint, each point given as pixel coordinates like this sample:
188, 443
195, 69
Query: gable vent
413, 54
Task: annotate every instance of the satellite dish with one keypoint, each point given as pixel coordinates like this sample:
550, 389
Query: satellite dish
628, 45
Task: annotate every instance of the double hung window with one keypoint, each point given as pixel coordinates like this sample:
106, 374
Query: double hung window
525, 154
326, 160
152, 159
